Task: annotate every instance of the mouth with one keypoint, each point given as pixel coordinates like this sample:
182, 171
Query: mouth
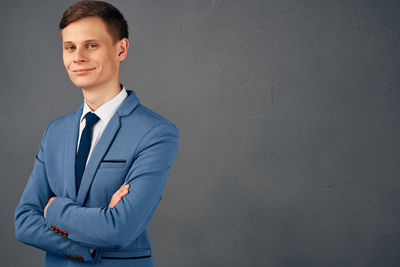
82, 71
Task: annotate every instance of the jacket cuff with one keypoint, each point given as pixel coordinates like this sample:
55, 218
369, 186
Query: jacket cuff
54, 221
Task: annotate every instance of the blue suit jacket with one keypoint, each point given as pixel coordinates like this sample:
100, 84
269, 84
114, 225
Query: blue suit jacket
137, 147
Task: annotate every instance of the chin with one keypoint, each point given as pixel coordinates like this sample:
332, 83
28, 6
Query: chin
82, 83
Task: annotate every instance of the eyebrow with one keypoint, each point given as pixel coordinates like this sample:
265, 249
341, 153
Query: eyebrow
86, 41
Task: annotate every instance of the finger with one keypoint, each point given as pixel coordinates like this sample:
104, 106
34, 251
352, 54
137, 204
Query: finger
114, 201
123, 194
123, 190
126, 188
119, 194
115, 196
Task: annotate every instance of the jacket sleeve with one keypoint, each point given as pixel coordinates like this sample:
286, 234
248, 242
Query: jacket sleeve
119, 226
30, 225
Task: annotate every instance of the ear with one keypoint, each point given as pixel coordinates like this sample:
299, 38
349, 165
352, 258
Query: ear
122, 48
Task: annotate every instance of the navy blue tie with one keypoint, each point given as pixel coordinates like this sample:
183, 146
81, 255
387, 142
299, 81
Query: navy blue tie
84, 147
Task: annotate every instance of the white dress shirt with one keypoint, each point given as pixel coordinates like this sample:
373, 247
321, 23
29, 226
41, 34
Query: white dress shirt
105, 113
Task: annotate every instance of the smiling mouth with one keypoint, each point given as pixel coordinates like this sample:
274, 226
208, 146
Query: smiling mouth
82, 71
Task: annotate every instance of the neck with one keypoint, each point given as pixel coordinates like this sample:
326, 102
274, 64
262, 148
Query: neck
97, 96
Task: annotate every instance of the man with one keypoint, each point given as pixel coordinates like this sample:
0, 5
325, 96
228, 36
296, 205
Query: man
100, 171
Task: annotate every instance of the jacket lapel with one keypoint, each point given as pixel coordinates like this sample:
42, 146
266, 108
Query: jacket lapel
70, 154
103, 144
94, 161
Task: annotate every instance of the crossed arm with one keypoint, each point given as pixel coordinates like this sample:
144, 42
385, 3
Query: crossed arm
31, 227
117, 196
127, 215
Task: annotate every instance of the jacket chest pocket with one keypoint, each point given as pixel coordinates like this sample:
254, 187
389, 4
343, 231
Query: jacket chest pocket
112, 164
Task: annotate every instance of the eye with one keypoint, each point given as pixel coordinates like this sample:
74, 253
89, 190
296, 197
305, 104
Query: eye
92, 45
69, 47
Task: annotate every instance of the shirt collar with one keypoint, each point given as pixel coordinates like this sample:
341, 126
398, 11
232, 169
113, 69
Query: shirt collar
107, 110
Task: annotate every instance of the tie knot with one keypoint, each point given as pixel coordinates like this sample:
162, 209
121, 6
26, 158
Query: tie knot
91, 119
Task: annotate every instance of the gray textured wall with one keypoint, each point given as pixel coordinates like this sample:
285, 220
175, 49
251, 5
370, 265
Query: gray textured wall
289, 120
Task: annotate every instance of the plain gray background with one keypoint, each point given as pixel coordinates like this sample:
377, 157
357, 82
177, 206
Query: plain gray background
289, 119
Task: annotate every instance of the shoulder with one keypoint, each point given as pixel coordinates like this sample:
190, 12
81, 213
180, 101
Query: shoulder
61, 124
147, 120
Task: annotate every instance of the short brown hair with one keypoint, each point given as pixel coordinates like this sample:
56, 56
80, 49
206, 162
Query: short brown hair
112, 17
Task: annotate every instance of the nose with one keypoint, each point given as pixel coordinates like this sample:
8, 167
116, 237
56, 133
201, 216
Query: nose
79, 55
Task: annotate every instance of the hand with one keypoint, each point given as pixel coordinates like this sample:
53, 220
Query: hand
118, 195
47, 205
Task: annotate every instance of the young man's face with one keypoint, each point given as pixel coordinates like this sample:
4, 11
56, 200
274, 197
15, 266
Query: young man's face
89, 53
